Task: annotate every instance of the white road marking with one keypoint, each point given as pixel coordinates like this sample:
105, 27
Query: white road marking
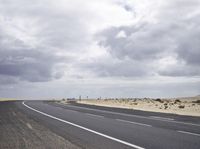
84, 128
29, 126
133, 122
190, 133
72, 110
164, 118
93, 115
132, 115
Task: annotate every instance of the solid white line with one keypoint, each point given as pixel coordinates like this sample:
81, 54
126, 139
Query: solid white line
195, 134
164, 118
132, 115
134, 122
93, 115
81, 127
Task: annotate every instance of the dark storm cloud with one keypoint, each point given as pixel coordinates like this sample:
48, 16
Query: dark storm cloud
30, 65
21, 62
32, 35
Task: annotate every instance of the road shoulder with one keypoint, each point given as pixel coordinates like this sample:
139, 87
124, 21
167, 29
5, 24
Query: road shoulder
19, 131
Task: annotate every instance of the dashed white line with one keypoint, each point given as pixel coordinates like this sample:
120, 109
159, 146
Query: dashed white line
138, 116
134, 122
71, 110
190, 133
94, 115
84, 128
164, 118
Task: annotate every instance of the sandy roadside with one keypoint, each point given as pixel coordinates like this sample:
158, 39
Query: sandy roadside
182, 106
7, 99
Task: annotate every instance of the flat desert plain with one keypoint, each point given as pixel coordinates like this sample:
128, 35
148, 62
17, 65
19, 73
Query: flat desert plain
7, 99
182, 106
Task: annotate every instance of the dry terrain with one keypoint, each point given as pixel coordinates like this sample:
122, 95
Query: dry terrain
7, 99
183, 106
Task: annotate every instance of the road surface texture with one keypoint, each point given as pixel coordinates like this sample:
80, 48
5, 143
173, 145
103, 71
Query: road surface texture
18, 131
93, 127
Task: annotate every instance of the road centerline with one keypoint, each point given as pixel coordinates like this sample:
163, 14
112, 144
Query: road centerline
84, 128
132, 115
190, 133
94, 115
164, 118
133, 122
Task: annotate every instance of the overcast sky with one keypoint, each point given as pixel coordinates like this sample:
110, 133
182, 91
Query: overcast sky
107, 48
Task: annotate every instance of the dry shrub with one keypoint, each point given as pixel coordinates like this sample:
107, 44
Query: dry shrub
159, 100
197, 101
181, 106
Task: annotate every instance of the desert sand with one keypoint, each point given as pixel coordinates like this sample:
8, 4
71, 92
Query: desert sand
182, 106
7, 99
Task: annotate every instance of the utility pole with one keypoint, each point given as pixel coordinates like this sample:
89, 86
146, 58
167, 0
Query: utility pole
80, 98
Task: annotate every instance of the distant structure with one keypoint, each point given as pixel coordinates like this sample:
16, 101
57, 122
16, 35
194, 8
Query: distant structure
80, 97
71, 100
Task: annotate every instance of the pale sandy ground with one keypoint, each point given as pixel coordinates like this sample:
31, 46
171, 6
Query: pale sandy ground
182, 106
7, 99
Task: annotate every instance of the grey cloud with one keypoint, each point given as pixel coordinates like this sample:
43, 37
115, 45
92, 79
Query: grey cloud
113, 67
7, 80
57, 28
31, 65
32, 34
176, 34
21, 62
42, 40
185, 29
145, 42
181, 71
188, 49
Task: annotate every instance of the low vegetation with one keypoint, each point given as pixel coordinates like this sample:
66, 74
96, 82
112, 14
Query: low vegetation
177, 101
159, 100
181, 106
197, 101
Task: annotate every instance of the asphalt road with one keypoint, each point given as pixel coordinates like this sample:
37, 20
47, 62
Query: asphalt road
18, 131
111, 128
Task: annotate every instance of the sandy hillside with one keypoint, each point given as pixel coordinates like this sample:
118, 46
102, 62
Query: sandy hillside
183, 106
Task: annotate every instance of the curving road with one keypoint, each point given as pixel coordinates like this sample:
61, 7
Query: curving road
111, 128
